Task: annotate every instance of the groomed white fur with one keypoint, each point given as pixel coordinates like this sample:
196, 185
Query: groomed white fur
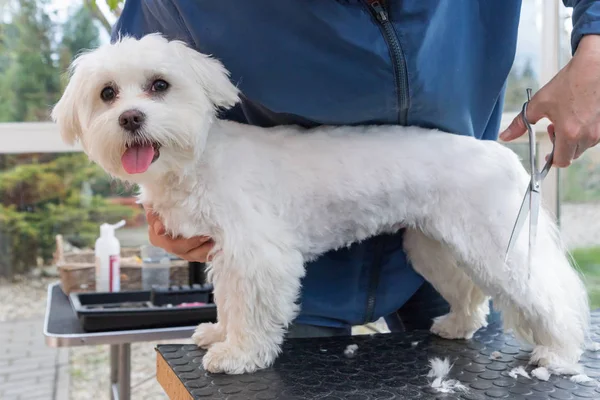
273, 199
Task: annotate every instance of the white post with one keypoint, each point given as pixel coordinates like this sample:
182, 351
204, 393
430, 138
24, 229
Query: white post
550, 47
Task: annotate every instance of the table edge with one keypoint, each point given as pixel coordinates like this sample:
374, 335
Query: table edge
111, 337
169, 381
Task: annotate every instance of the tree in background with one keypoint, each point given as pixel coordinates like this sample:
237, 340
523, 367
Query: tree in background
78, 33
30, 77
37, 201
115, 7
29, 71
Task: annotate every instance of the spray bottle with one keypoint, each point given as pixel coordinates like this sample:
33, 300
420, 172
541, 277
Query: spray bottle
108, 257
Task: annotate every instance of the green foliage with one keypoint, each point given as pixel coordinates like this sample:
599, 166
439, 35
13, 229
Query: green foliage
31, 59
17, 240
580, 183
113, 5
42, 200
30, 77
30, 184
588, 261
80, 170
79, 34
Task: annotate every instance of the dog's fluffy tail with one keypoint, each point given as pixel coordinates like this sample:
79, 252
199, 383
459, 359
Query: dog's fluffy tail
557, 319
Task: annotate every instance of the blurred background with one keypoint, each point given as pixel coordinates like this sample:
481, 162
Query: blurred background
48, 189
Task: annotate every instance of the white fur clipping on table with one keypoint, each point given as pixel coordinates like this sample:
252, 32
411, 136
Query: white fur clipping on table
439, 370
541, 373
350, 350
518, 371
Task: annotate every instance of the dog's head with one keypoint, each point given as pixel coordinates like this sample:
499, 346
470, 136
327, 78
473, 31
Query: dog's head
142, 107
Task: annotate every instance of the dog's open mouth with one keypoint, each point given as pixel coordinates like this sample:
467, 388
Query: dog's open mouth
139, 156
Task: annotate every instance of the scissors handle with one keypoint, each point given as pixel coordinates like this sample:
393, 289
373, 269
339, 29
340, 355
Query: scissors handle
531, 133
536, 177
548, 165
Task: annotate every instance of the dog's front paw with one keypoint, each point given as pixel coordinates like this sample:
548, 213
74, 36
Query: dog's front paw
207, 334
230, 359
458, 326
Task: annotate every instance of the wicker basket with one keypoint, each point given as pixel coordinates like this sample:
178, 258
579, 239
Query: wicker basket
77, 272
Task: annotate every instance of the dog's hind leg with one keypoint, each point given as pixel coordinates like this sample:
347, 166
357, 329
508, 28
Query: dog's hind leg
545, 304
549, 307
469, 307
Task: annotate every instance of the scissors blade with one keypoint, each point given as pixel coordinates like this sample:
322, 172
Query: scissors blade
534, 210
523, 211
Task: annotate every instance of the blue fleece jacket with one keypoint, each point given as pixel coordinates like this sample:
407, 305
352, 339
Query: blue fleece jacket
434, 63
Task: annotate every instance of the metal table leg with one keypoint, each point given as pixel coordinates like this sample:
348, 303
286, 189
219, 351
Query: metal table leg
124, 371
114, 371
120, 371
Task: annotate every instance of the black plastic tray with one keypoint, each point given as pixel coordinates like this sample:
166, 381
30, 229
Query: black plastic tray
128, 310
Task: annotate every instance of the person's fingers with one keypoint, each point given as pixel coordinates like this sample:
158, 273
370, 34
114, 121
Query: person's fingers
148, 209
587, 139
192, 249
517, 127
551, 132
199, 254
565, 146
154, 221
552, 135
151, 218
579, 151
179, 246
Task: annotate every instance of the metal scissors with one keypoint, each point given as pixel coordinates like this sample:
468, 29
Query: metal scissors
531, 202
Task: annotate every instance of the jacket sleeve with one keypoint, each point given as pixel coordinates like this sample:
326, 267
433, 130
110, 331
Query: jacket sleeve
586, 19
142, 17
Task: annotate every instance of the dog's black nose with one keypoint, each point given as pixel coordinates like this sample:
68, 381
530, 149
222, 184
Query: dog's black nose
132, 120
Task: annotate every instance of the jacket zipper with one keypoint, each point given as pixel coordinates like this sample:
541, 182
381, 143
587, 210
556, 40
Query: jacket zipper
401, 76
374, 276
397, 55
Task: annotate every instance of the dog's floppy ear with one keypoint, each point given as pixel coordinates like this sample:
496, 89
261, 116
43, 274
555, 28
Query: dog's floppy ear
211, 74
64, 112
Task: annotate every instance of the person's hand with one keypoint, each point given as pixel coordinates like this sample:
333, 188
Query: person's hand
192, 249
571, 101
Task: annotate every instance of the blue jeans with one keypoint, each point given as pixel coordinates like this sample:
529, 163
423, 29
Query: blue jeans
416, 314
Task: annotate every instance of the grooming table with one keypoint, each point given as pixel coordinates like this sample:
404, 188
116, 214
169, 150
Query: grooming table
385, 366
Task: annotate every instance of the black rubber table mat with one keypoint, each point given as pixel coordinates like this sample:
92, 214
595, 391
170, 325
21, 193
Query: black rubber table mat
385, 366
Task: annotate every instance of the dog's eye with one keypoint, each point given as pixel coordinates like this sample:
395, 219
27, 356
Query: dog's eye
108, 93
159, 85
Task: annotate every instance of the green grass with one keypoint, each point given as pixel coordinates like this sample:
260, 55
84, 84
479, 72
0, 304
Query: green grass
588, 262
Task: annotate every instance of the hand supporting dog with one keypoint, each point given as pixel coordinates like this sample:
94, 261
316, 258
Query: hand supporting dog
196, 248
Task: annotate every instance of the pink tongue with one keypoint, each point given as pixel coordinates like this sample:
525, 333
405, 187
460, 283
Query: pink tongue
137, 159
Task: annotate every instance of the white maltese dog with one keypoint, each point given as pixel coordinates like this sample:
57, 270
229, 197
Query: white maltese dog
273, 199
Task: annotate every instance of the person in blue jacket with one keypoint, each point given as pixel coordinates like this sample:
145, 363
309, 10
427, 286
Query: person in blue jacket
434, 63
